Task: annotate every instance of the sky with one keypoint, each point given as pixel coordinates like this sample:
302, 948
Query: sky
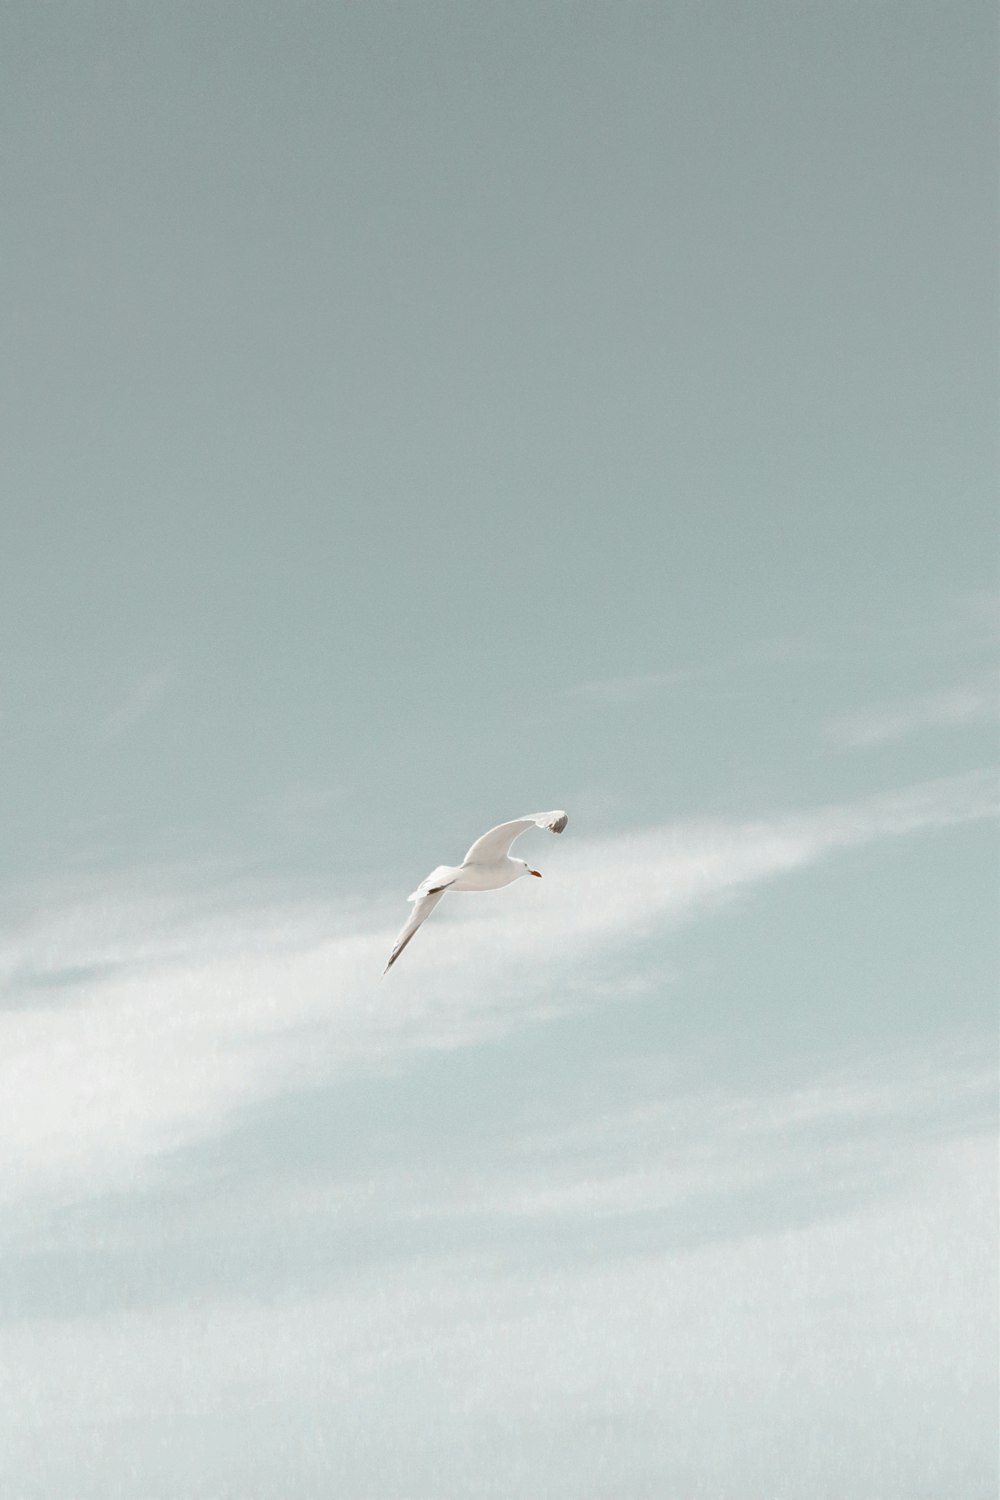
416, 415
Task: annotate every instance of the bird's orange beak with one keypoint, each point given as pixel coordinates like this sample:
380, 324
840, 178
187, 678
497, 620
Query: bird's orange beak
535, 872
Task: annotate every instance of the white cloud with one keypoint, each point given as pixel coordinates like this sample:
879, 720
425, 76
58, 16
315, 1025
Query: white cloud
879, 725
700, 1161
793, 1363
722, 1146
144, 1021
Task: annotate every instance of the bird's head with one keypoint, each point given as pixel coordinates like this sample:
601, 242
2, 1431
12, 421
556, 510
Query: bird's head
529, 871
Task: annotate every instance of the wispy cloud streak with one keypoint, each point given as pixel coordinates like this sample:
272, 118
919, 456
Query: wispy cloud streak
169, 1021
970, 703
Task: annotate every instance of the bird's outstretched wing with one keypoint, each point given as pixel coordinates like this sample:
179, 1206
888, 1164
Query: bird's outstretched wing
423, 904
495, 844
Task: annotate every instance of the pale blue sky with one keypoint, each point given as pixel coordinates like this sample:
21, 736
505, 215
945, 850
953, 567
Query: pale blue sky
416, 415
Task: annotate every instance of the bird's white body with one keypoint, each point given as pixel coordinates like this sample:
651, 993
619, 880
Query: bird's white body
474, 877
486, 867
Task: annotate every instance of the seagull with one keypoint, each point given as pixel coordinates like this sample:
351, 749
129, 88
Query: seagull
486, 867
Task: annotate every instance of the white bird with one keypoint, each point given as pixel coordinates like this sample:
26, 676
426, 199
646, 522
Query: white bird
486, 867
